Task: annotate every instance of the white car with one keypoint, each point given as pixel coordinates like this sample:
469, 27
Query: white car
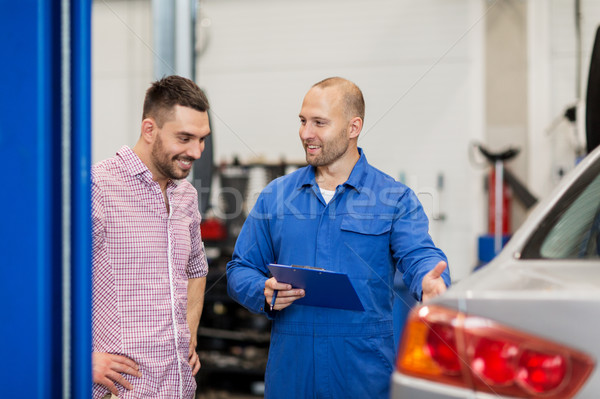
528, 324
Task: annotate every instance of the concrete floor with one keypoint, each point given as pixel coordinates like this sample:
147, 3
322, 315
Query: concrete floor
216, 394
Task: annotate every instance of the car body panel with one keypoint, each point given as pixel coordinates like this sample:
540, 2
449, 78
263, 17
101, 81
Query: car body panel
554, 299
404, 387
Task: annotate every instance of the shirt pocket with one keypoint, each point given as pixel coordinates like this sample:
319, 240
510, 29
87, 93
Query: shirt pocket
365, 246
366, 226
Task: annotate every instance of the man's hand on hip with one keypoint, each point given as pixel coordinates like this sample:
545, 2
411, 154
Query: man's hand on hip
193, 358
107, 370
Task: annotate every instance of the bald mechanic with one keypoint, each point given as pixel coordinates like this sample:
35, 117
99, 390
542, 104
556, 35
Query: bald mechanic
341, 214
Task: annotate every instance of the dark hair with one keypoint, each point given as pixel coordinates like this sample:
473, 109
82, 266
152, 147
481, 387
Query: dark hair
354, 103
166, 93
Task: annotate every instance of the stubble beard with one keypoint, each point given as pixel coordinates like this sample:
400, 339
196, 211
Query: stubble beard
167, 167
330, 152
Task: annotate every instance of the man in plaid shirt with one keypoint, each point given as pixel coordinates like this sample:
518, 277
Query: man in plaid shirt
149, 266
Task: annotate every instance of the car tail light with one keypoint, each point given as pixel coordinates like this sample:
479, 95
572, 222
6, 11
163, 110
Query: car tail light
542, 372
495, 360
449, 347
441, 344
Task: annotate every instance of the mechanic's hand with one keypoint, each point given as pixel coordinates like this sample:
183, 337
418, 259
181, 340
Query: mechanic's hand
433, 283
285, 295
108, 369
193, 358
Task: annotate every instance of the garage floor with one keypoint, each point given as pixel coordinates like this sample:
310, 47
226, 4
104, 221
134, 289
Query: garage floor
214, 394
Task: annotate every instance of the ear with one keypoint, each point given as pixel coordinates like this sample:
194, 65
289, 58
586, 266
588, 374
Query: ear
148, 129
354, 127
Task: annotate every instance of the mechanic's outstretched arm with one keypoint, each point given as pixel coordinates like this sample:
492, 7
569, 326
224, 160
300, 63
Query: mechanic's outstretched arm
433, 283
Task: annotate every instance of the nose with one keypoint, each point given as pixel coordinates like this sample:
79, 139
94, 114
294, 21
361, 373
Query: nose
305, 132
196, 149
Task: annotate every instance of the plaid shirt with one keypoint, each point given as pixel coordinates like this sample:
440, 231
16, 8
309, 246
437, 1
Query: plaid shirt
143, 256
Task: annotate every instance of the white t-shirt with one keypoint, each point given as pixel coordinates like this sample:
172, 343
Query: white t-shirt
327, 194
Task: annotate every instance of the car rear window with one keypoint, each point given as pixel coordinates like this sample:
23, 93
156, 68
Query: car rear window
572, 229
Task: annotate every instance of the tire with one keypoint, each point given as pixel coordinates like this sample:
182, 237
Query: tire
592, 118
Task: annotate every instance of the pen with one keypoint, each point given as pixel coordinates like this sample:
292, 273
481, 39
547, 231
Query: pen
273, 299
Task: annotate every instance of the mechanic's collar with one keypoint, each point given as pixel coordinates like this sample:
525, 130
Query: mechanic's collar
355, 180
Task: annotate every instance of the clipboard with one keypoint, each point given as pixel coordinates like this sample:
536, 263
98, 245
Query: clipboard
323, 288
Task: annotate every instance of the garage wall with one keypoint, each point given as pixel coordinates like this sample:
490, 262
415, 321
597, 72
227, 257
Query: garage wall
553, 86
429, 70
419, 65
121, 72
506, 90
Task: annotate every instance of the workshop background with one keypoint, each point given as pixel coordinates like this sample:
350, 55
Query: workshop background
438, 76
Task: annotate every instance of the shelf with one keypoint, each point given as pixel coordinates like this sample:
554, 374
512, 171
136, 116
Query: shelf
224, 298
212, 369
247, 361
233, 343
253, 336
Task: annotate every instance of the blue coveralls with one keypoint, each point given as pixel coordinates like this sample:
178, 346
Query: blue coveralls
372, 225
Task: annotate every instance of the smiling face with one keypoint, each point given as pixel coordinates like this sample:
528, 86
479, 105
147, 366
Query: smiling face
177, 143
324, 127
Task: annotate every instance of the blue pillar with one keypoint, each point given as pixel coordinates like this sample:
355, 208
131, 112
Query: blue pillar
34, 249
81, 235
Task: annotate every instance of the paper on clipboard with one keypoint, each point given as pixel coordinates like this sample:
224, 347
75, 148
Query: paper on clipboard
323, 288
